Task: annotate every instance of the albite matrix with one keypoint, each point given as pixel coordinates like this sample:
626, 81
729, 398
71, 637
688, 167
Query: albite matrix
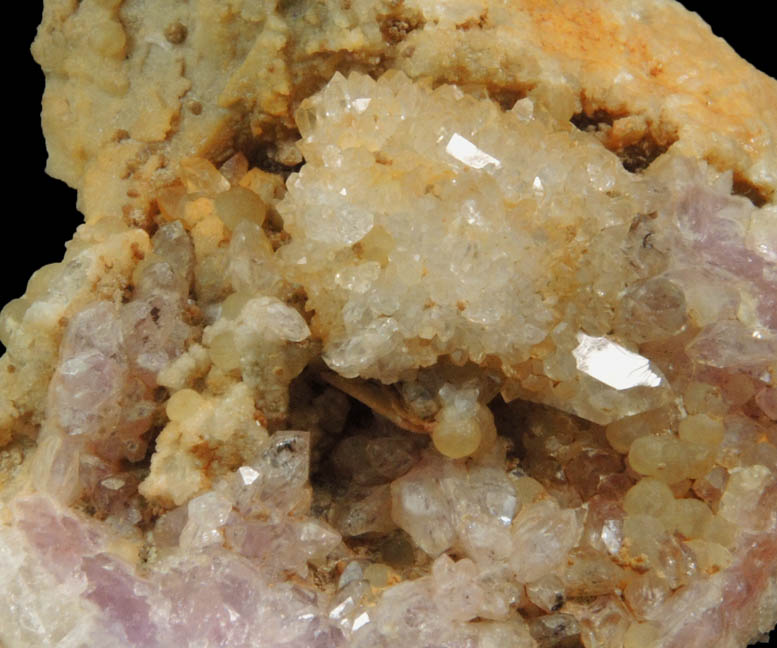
396, 323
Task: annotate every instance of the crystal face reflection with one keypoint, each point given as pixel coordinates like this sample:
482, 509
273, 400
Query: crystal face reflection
248, 475
467, 153
613, 364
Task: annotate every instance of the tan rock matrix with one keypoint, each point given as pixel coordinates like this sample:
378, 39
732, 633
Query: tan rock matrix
396, 323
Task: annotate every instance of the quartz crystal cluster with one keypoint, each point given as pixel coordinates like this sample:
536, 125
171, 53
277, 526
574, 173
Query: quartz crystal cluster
429, 360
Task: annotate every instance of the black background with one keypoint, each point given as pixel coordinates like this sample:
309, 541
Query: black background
38, 213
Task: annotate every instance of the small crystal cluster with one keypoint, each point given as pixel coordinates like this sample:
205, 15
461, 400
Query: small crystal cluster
101, 402
463, 381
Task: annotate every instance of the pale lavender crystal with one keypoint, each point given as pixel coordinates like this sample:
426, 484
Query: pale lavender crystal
442, 504
409, 612
101, 397
123, 599
483, 502
420, 507
153, 323
220, 600
60, 540
211, 598
730, 344
429, 611
282, 547
455, 583
277, 481
542, 537
206, 515
347, 606
169, 526
85, 390
714, 229
735, 282
149, 329
200, 594
259, 512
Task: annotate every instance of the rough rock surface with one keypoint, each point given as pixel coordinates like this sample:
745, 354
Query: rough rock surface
449, 324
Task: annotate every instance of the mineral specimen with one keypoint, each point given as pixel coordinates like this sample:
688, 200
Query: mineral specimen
396, 323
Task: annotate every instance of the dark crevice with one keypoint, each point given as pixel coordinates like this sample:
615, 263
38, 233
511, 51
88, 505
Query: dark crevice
507, 96
263, 153
152, 222
264, 159
759, 196
360, 416
149, 437
323, 476
594, 120
510, 422
636, 155
640, 155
